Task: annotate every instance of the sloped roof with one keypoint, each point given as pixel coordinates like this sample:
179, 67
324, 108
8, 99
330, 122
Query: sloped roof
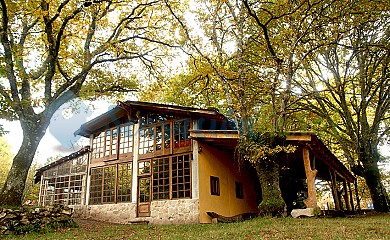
130, 108
229, 139
71, 156
321, 152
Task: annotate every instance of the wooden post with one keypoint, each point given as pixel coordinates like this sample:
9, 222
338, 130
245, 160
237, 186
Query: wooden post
346, 196
357, 196
334, 190
350, 197
311, 201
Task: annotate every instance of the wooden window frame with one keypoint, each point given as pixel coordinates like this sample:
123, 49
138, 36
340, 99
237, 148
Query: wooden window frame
107, 148
181, 145
110, 195
96, 186
109, 181
214, 186
168, 137
144, 164
147, 141
98, 145
65, 183
181, 171
126, 140
123, 171
178, 189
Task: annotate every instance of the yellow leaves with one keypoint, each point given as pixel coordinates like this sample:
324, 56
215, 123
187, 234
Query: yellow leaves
262, 148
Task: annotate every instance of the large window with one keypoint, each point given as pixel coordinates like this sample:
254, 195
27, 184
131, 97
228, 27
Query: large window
65, 183
95, 191
111, 184
161, 178
111, 142
181, 176
125, 178
156, 137
171, 177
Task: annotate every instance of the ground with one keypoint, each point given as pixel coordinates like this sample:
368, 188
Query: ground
371, 226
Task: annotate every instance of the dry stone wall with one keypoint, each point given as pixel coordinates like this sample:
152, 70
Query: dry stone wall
26, 220
182, 211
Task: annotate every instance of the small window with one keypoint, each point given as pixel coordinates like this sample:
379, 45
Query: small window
214, 184
239, 190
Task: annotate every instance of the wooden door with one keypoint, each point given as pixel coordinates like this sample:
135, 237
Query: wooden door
144, 197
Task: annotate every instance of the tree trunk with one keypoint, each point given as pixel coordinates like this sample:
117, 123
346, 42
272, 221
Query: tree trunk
12, 192
311, 201
378, 192
272, 202
369, 158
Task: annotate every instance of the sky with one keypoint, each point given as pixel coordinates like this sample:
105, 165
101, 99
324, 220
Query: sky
59, 138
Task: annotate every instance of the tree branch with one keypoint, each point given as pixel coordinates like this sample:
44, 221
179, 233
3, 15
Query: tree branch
9, 65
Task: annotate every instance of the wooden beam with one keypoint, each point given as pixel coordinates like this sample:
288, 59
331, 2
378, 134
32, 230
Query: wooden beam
306, 138
208, 134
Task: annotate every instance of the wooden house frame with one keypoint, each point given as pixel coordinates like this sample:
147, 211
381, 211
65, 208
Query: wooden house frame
171, 164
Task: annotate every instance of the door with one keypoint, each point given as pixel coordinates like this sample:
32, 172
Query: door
143, 208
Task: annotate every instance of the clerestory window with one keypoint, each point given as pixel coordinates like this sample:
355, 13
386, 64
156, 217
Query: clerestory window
111, 142
156, 137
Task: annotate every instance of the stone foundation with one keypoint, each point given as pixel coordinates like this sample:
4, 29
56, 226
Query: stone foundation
182, 211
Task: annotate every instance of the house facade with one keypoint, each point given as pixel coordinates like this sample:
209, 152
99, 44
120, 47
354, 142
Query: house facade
143, 165
169, 164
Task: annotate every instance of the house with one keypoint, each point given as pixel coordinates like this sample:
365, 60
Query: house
169, 164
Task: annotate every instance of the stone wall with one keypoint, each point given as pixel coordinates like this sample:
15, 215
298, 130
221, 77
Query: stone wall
182, 211
25, 220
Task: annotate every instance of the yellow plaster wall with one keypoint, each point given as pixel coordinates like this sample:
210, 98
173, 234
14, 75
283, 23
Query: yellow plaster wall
217, 163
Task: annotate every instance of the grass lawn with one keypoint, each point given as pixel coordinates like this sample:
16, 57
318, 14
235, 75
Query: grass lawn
359, 227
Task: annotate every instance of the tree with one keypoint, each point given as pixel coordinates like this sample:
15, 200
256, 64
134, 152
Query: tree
348, 85
55, 51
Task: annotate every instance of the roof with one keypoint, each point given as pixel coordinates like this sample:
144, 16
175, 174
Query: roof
321, 152
229, 139
72, 156
130, 109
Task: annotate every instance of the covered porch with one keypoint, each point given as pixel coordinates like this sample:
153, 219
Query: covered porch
299, 171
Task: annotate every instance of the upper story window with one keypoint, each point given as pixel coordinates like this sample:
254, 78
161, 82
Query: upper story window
146, 139
181, 134
98, 146
156, 137
126, 139
111, 142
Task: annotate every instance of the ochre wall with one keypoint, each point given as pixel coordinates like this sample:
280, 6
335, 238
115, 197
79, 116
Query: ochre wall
219, 163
